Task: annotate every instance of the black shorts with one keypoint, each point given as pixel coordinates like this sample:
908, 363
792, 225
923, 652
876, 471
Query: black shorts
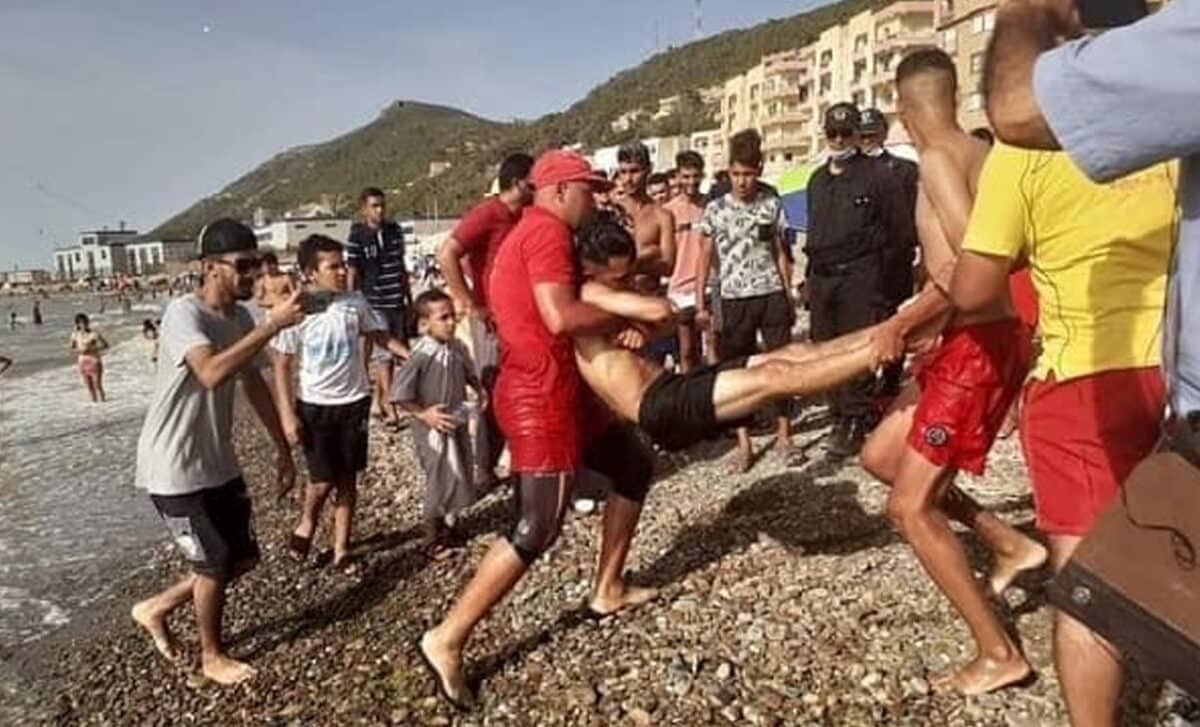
212, 527
743, 318
677, 409
334, 438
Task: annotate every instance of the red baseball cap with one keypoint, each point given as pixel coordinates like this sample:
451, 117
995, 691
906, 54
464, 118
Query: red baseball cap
559, 166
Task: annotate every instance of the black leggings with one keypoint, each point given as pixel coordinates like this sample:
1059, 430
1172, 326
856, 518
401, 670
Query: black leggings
541, 499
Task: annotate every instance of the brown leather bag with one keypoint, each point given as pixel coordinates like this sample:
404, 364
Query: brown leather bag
1135, 578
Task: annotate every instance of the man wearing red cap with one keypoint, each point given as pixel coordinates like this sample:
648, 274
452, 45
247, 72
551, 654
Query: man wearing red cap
548, 415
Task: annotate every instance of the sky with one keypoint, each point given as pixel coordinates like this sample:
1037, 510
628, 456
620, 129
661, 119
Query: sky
131, 110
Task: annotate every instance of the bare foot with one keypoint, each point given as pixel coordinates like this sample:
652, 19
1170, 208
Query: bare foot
445, 666
156, 625
783, 447
223, 670
741, 464
983, 675
631, 597
1030, 555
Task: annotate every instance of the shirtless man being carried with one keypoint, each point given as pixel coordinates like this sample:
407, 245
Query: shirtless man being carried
653, 227
678, 410
949, 420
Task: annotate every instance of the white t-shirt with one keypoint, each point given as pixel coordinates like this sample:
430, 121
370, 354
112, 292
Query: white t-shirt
186, 444
328, 344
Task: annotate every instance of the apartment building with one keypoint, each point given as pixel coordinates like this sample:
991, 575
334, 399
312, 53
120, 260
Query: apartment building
964, 28
786, 95
100, 254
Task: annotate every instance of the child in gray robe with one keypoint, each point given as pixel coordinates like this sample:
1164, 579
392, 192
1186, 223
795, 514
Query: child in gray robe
432, 387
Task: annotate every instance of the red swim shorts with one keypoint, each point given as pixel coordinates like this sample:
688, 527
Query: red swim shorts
967, 386
1082, 437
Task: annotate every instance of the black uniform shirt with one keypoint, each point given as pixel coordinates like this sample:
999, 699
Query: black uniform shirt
855, 213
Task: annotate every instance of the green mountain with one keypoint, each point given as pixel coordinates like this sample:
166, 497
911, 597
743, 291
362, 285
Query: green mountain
394, 151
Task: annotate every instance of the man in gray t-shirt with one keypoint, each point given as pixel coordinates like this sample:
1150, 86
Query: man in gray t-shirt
185, 456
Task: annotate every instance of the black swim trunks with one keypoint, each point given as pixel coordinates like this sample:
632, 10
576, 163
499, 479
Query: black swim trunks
334, 438
212, 527
677, 410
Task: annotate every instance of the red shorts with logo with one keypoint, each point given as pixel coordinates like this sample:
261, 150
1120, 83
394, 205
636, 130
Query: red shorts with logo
1082, 437
967, 386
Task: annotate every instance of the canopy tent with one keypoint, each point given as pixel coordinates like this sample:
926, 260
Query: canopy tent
795, 209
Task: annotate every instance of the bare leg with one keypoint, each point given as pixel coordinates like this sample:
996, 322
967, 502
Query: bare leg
740, 392
345, 499
310, 514
442, 646
1013, 550
688, 358
1088, 667
783, 435
90, 383
151, 614
913, 509
744, 451
209, 595
100, 385
612, 593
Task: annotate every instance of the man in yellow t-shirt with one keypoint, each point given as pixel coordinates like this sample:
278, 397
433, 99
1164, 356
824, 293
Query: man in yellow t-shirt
1099, 255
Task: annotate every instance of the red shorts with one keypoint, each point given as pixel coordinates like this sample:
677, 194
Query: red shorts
967, 386
1082, 438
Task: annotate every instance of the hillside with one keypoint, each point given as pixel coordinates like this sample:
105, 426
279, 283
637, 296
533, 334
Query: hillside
394, 150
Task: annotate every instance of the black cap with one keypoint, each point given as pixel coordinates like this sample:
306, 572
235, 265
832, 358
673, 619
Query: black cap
224, 236
872, 121
842, 115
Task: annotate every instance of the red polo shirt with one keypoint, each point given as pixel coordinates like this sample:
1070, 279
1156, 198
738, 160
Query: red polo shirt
479, 233
537, 392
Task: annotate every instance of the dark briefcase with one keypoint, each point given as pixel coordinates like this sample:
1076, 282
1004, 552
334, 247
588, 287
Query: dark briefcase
1135, 578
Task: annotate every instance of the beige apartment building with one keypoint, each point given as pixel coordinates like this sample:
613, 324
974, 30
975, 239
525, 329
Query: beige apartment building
964, 28
786, 95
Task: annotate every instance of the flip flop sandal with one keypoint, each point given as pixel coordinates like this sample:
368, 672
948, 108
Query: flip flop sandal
441, 685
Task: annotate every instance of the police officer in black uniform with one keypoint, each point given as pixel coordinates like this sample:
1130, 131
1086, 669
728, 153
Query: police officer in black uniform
856, 209
899, 277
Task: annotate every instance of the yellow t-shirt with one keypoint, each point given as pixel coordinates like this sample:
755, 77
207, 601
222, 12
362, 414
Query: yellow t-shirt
1098, 254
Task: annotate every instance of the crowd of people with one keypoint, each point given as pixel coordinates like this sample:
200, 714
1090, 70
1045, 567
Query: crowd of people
559, 286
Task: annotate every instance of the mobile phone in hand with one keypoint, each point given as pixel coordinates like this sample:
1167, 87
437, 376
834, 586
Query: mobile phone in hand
1110, 13
315, 301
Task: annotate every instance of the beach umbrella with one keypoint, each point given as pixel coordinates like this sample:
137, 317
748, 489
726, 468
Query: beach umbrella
794, 179
795, 209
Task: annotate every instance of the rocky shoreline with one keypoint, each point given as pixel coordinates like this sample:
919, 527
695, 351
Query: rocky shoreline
787, 599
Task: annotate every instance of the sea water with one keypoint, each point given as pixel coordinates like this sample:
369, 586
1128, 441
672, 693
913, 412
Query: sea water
70, 518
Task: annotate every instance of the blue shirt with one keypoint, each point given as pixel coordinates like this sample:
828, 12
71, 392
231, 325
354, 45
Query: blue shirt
1120, 102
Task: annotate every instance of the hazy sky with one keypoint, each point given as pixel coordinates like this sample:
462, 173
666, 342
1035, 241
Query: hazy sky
131, 110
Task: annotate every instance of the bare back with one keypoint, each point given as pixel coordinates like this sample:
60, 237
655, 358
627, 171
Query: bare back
950, 170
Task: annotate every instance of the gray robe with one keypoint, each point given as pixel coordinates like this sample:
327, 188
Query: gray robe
437, 374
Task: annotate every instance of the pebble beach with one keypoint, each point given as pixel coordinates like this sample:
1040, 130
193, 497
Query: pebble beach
786, 600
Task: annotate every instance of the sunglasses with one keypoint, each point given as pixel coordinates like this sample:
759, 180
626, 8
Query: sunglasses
839, 133
243, 266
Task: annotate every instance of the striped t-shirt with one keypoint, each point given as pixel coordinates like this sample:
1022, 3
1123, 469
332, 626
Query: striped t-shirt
378, 255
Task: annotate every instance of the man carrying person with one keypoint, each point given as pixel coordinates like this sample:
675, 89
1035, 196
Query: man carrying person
678, 410
329, 414
1093, 406
553, 426
375, 254
687, 208
857, 210
743, 232
948, 421
185, 454
475, 240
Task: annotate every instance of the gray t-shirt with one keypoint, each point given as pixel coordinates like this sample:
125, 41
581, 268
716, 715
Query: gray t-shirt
744, 237
186, 443
1120, 102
